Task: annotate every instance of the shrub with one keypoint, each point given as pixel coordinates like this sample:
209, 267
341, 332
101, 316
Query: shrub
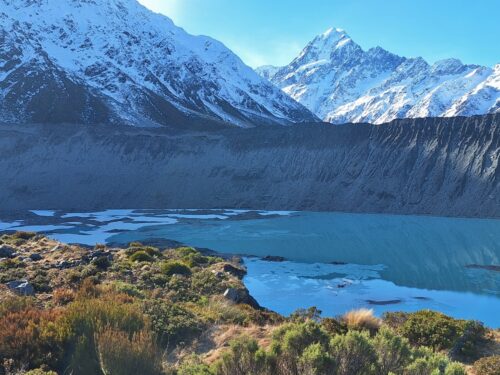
334, 326
427, 362
141, 256
194, 366
205, 283
41, 282
101, 263
126, 288
63, 296
32, 337
362, 319
353, 353
24, 235
122, 354
12, 304
220, 311
466, 346
487, 366
171, 323
302, 315
87, 317
432, 329
243, 358
395, 319
455, 368
290, 341
88, 289
393, 352
175, 268
185, 251
315, 361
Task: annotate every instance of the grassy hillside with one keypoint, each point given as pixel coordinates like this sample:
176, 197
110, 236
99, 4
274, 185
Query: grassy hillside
142, 310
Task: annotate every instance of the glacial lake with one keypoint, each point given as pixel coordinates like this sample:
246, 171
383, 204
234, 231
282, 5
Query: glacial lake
334, 261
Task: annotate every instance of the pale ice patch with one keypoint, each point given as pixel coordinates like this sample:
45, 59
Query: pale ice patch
336, 289
8, 226
201, 217
44, 213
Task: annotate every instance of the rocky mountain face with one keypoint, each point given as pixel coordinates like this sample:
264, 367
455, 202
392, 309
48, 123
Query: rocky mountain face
436, 166
340, 82
114, 61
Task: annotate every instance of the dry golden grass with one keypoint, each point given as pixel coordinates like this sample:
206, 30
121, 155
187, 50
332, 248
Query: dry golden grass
362, 319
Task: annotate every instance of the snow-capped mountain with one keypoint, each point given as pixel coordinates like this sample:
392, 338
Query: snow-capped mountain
340, 82
101, 61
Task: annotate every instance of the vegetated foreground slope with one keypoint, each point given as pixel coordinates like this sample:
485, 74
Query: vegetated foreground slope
424, 166
340, 82
150, 311
115, 61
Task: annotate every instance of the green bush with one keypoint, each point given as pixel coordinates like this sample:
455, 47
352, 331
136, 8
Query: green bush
353, 353
488, 366
432, 329
243, 358
141, 256
428, 362
185, 251
171, 323
466, 346
171, 268
205, 283
127, 288
334, 326
291, 340
315, 360
393, 351
455, 368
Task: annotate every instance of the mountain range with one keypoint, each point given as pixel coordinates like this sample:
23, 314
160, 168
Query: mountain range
115, 61
340, 82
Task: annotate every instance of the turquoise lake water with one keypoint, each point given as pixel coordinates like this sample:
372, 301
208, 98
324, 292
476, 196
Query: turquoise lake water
335, 261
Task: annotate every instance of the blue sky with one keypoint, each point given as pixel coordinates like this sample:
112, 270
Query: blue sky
274, 31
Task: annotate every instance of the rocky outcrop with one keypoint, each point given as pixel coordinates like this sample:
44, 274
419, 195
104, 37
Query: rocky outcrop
432, 166
21, 287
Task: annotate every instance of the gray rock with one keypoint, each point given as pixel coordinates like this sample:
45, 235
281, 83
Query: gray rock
36, 257
6, 251
232, 295
21, 287
241, 296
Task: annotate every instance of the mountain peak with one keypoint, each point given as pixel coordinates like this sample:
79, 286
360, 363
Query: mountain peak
340, 82
331, 38
117, 61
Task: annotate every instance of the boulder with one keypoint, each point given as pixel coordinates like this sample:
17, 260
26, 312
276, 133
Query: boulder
36, 257
274, 258
235, 271
241, 296
21, 287
232, 295
6, 251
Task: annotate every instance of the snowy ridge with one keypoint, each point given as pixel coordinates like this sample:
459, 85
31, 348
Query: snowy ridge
116, 61
340, 82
